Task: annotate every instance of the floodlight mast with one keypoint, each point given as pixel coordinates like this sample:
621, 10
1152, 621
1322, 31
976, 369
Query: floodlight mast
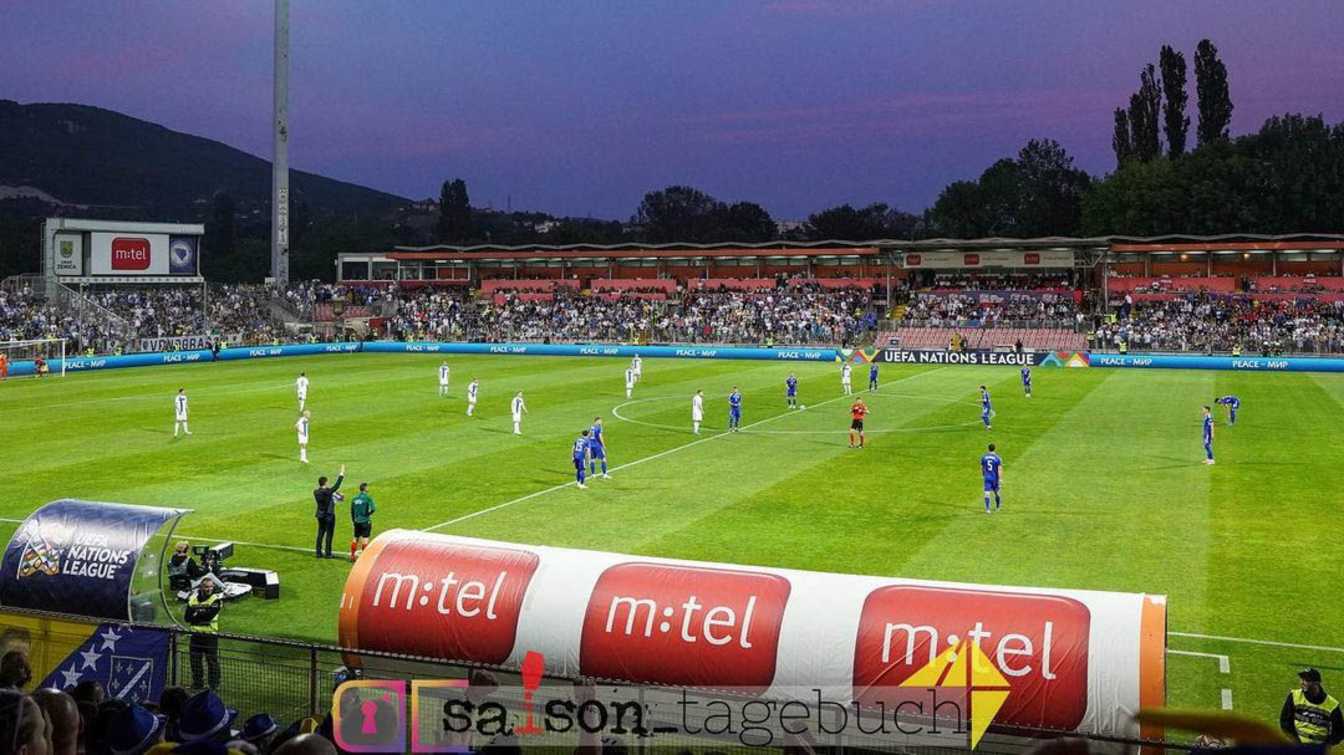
280, 156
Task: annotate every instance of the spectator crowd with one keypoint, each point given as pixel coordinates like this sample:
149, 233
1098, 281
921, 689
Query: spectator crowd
784, 315
1222, 323
989, 309
112, 320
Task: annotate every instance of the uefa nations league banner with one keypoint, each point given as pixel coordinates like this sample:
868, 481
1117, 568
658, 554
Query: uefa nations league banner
943, 356
78, 557
1064, 660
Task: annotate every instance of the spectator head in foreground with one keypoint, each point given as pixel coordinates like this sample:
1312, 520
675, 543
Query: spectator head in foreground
259, 730
90, 691
307, 744
15, 673
204, 716
131, 730
24, 730
63, 714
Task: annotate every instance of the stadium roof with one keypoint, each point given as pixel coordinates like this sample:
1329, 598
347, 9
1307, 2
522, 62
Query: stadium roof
626, 251
872, 247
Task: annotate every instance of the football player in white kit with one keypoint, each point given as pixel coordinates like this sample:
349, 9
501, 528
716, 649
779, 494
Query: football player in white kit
471, 395
844, 379
180, 412
301, 387
630, 377
443, 380
637, 365
518, 410
302, 428
697, 411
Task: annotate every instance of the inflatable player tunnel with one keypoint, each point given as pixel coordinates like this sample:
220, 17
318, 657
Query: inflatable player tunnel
89, 558
1073, 660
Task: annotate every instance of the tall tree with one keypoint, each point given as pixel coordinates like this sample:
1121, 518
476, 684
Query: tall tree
1144, 108
958, 213
876, 221
454, 212
1215, 103
1121, 140
1176, 124
678, 213
1049, 189
744, 221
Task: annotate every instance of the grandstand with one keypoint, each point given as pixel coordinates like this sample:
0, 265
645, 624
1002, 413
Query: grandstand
1223, 294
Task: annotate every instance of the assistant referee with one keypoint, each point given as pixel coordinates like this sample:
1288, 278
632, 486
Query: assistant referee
326, 513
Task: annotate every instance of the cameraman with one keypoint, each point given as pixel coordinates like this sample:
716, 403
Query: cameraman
182, 568
325, 497
203, 616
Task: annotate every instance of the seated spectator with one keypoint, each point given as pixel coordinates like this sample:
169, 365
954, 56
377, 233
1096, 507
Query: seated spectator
130, 729
204, 716
259, 730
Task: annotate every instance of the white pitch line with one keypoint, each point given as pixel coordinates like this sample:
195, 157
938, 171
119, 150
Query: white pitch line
1224, 666
1248, 641
658, 455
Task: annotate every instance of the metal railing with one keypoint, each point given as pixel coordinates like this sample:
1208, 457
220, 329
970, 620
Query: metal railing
294, 680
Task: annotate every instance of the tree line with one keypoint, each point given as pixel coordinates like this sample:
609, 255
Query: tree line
1286, 177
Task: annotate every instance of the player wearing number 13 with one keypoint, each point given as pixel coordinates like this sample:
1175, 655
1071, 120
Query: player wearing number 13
580, 454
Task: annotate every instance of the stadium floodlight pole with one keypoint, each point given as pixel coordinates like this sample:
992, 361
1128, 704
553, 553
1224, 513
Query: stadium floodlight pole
280, 158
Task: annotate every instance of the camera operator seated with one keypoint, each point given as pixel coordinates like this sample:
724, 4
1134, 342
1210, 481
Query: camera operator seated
183, 570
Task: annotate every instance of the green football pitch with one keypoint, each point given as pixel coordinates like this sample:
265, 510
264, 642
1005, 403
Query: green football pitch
1103, 482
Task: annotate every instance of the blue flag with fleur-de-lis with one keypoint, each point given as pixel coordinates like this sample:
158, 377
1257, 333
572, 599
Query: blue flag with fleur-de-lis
131, 663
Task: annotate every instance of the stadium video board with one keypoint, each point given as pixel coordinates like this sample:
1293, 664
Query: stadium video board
92, 249
142, 254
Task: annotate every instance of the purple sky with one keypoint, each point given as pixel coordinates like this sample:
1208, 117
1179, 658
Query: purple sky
580, 107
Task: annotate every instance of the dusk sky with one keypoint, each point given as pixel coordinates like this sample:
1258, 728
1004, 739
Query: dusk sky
578, 108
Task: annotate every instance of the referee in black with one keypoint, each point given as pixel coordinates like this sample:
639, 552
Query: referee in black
326, 512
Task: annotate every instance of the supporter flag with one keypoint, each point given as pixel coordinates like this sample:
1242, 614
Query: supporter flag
131, 664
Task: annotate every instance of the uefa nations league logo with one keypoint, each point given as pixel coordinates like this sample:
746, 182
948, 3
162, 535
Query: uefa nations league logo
45, 545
